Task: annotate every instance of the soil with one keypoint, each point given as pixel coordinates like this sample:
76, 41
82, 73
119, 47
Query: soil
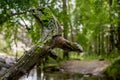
86, 67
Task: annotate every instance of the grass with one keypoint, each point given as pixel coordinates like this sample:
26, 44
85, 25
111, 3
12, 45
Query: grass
84, 56
91, 57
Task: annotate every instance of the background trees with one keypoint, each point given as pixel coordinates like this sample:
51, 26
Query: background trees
94, 24
99, 24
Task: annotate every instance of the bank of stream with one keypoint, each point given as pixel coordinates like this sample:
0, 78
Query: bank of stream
67, 70
72, 70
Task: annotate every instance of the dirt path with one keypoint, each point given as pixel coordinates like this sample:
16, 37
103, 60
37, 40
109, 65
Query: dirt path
86, 67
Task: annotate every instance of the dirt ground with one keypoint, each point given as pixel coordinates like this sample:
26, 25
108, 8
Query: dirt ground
86, 67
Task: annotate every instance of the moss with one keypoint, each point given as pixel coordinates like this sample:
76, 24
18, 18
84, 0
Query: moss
113, 71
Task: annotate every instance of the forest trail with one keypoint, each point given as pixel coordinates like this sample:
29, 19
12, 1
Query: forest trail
86, 67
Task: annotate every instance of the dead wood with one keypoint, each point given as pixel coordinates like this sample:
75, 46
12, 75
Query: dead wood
36, 55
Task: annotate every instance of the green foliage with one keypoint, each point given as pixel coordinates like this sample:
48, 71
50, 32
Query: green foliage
88, 20
35, 33
113, 71
3, 43
90, 57
94, 17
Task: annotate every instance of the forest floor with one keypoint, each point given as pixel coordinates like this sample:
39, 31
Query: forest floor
86, 67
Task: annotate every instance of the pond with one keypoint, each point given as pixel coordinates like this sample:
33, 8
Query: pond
59, 76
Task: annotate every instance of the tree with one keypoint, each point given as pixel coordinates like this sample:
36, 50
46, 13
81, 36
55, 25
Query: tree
37, 53
95, 20
118, 22
65, 24
46, 22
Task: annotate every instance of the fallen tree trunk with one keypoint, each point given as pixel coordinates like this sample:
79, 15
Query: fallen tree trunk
36, 55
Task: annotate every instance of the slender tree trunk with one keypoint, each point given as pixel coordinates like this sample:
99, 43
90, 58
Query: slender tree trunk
99, 44
70, 24
118, 30
106, 39
111, 37
71, 32
65, 23
118, 41
102, 41
107, 44
95, 45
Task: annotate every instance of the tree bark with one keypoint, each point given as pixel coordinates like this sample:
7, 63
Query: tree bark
36, 55
118, 29
111, 37
65, 23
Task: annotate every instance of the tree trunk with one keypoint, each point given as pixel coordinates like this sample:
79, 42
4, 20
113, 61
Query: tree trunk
102, 40
118, 30
107, 44
70, 24
36, 55
95, 45
99, 45
111, 36
65, 23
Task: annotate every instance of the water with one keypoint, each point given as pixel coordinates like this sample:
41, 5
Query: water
69, 76
58, 76
31, 76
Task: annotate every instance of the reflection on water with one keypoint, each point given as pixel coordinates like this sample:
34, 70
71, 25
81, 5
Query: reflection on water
59, 76
69, 76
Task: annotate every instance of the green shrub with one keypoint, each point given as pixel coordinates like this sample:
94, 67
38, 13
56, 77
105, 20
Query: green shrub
113, 71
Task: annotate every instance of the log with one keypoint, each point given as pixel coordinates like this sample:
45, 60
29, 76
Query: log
36, 55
